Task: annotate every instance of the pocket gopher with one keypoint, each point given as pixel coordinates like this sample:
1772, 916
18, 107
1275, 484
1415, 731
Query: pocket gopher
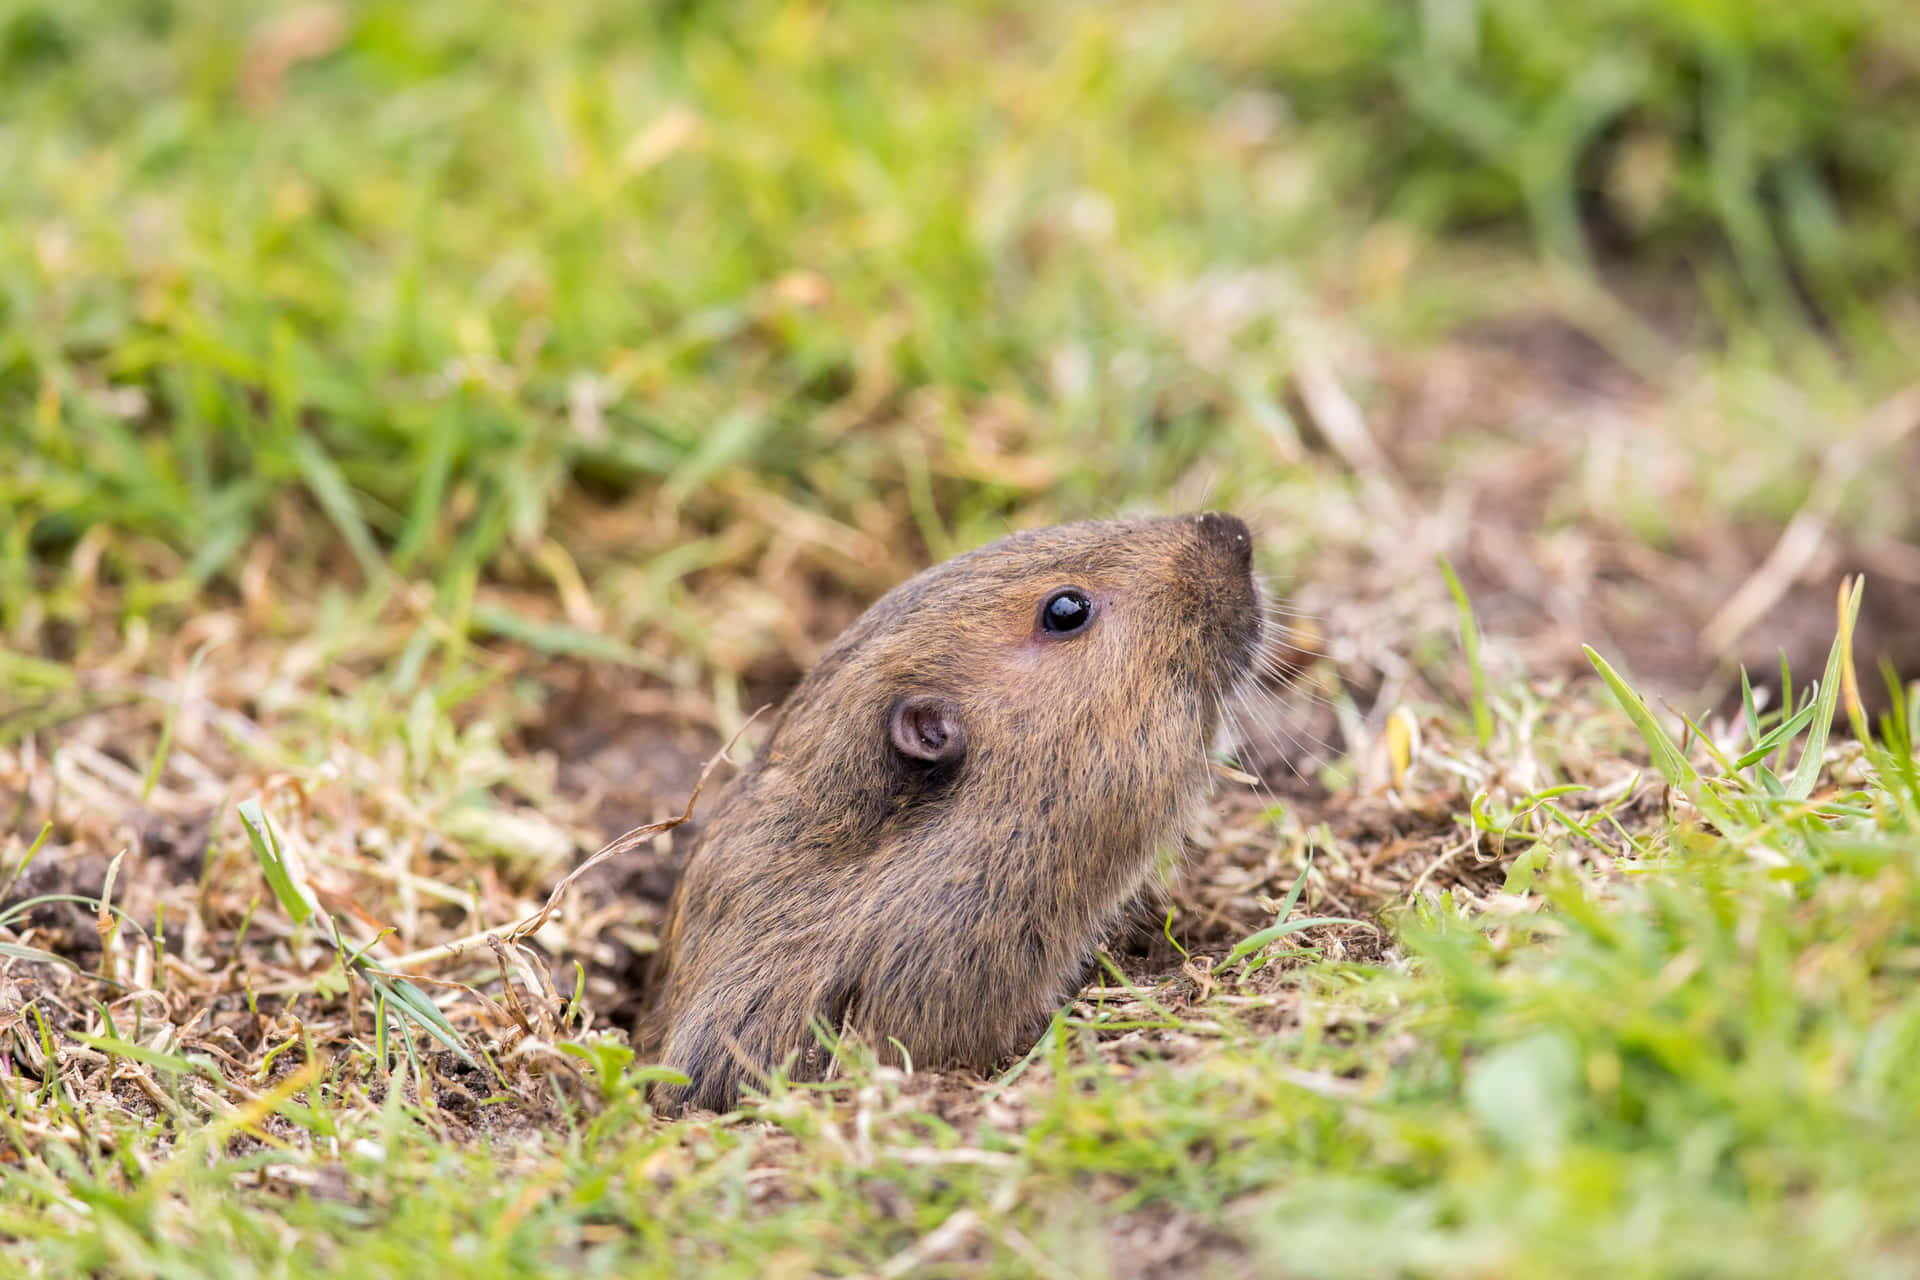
957, 804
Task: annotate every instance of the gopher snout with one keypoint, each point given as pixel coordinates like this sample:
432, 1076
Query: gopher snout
1227, 537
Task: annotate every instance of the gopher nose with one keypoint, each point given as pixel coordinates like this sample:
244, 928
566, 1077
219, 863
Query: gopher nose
1227, 536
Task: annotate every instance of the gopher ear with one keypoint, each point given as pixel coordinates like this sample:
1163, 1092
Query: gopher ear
927, 727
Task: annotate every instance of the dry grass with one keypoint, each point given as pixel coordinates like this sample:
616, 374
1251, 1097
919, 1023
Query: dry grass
457, 828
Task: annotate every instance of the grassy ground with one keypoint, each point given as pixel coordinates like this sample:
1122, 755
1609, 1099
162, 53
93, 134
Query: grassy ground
441, 425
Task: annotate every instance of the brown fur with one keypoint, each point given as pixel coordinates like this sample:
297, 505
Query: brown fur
951, 901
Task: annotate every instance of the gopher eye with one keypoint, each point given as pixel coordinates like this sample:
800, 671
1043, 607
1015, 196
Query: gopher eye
1066, 611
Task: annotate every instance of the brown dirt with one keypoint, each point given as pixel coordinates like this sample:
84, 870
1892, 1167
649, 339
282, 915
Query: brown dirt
1490, 444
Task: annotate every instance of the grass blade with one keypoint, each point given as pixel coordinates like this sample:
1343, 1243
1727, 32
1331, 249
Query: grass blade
1778, 736
159, 761
278, 864
34, 955
1282, 926
1801, 785
1667, 758
1273, 932
26, 860
411, 1003
1299, 887
172, 1063
335, 496
1470, 643
1748, 712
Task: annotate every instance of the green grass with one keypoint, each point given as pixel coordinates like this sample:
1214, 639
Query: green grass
1698, 1067
345, 408
393, 291
1671, 124
464, 263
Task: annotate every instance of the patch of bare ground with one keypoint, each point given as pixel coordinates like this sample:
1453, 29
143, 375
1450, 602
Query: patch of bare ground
1581, 513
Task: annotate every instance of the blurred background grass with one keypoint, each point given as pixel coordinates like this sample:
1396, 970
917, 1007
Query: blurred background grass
608, 296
